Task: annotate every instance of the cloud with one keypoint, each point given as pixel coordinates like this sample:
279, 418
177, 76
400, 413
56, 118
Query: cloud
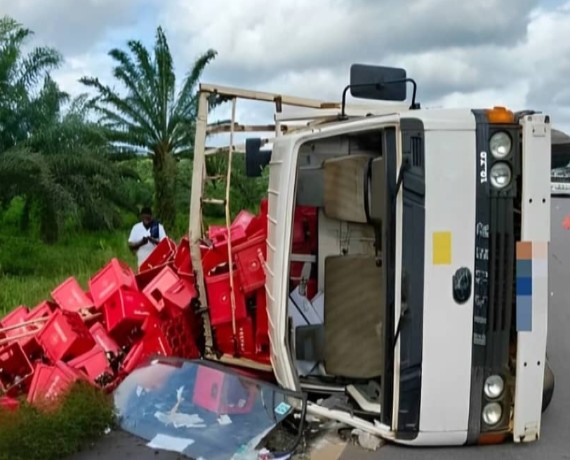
489, 52
71, 26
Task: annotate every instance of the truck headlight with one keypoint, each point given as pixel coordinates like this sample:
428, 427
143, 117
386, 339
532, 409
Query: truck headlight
492, 413
494, 386
500, 144
500, 175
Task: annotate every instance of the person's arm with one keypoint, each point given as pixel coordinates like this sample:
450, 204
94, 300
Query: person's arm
135, 246
135, 241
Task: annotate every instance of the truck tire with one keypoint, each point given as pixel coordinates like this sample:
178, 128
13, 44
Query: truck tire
548, 389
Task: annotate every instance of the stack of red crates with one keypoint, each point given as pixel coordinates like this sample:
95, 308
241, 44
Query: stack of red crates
101, 334
248, 234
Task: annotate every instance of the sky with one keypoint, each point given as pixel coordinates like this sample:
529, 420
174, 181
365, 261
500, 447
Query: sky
483, 53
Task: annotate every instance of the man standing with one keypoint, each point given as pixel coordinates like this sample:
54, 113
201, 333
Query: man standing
145, 235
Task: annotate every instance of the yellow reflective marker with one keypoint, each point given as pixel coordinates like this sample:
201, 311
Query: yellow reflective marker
441, 248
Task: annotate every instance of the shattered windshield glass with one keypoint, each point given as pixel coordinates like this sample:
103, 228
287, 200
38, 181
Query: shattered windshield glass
204, 410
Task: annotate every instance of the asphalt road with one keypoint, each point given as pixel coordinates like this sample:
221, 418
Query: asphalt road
555, 435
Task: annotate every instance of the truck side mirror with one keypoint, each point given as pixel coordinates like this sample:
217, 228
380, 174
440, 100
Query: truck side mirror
255, 158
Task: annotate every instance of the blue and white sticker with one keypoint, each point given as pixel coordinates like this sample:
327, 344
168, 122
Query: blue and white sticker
282, 409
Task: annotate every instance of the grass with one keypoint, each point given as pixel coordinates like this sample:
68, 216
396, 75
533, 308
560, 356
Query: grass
30, 270
31, 434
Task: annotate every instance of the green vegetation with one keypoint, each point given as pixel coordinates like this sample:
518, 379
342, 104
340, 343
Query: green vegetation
31, 434
73, 173
151, 118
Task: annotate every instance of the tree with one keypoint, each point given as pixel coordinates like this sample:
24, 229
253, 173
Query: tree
19, 76
152, 117
56, 159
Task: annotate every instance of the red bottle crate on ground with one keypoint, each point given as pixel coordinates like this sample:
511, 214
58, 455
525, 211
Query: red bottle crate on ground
65, 336
144, 278
244, 338
15, 370
162, 282
222, 393
103, 339
94, 364
114, 276
9, 404
250, 258
219, 290
153, 343
43, 310
126, 310
49, 382
14, 318
161, 254
179, 331
182, 258
69, 295
180, 295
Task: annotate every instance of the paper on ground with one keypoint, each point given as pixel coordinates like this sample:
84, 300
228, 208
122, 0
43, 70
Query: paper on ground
166, 442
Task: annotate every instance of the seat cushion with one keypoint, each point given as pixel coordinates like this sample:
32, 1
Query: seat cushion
344, 187
353, 317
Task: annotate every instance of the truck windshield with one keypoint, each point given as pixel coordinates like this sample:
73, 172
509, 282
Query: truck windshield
205, 411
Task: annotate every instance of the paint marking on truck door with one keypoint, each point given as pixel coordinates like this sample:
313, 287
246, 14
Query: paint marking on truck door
442, 248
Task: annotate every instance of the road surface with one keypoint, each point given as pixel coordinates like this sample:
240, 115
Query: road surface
555, 437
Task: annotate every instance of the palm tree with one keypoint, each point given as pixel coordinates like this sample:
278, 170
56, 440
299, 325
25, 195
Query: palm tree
152, 117
58, 162
19, 75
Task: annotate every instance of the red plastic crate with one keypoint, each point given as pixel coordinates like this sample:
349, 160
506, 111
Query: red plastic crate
261, 323
180, 295
15, 370
43, 310
213, 257
65, 336
219, 300
13, 318
151, 344
243, 220
49, 382
244, 337
70, 296
305, 230
161, 254
182, 258
103, 339
250, 258
8, 404
161, 283
126, 310
114, 276
179, 332
144, 278
219, 235
95, 365
222, 393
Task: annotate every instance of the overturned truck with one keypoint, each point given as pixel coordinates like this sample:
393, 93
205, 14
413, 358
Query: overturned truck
404, 263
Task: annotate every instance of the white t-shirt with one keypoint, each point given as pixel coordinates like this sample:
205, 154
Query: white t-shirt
138, 232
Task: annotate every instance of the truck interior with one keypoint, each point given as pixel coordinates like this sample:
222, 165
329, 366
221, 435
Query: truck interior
338, 309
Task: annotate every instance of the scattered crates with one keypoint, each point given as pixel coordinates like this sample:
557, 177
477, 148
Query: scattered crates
102, 334
114, 276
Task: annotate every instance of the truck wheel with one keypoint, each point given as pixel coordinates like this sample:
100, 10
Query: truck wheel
548, 390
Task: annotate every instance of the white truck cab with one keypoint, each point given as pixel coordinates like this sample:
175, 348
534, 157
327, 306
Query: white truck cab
407, 262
